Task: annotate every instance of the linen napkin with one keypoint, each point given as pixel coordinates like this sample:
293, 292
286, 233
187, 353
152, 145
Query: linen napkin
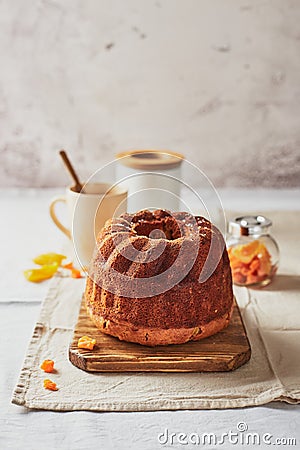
272, 320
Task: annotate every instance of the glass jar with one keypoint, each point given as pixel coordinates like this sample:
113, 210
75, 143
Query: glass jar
252, 251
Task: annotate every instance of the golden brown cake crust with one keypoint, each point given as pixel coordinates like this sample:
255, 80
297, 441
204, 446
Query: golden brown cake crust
158, 336
170, 315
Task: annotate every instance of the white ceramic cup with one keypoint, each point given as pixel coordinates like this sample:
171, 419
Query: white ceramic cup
152, 178
86, 214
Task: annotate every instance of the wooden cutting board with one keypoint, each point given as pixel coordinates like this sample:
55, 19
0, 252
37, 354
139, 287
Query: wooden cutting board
222, 352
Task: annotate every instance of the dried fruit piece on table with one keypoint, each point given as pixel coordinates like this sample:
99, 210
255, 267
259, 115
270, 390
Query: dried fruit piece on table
75, 273
86, 342
41, 274
48, 384
47, 365
49, 258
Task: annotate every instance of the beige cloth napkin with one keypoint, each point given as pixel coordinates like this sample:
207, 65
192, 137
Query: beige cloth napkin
272, 320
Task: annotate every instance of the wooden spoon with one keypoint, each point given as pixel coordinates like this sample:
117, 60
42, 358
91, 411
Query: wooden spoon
78, 186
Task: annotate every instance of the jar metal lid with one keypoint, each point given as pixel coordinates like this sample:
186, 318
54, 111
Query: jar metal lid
150, 159
249, 225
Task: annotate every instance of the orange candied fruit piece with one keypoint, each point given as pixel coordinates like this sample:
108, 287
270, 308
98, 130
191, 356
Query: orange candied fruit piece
47, 365
245, 252
48, 384
86, 342
255, 264
75, 273
42, 273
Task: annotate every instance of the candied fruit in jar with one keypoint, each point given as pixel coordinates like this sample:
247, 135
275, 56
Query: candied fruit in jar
253, 253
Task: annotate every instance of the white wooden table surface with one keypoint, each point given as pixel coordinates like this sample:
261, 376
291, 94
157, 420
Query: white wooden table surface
26, 231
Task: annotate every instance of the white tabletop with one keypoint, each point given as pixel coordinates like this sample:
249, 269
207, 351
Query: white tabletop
26, 231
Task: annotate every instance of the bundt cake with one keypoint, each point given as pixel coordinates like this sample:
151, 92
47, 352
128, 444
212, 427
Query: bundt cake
159, 278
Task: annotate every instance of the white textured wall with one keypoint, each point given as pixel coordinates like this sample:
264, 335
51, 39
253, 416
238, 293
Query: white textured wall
217, 80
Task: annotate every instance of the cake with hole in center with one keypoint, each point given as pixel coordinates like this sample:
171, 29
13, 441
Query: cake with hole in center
159, 278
